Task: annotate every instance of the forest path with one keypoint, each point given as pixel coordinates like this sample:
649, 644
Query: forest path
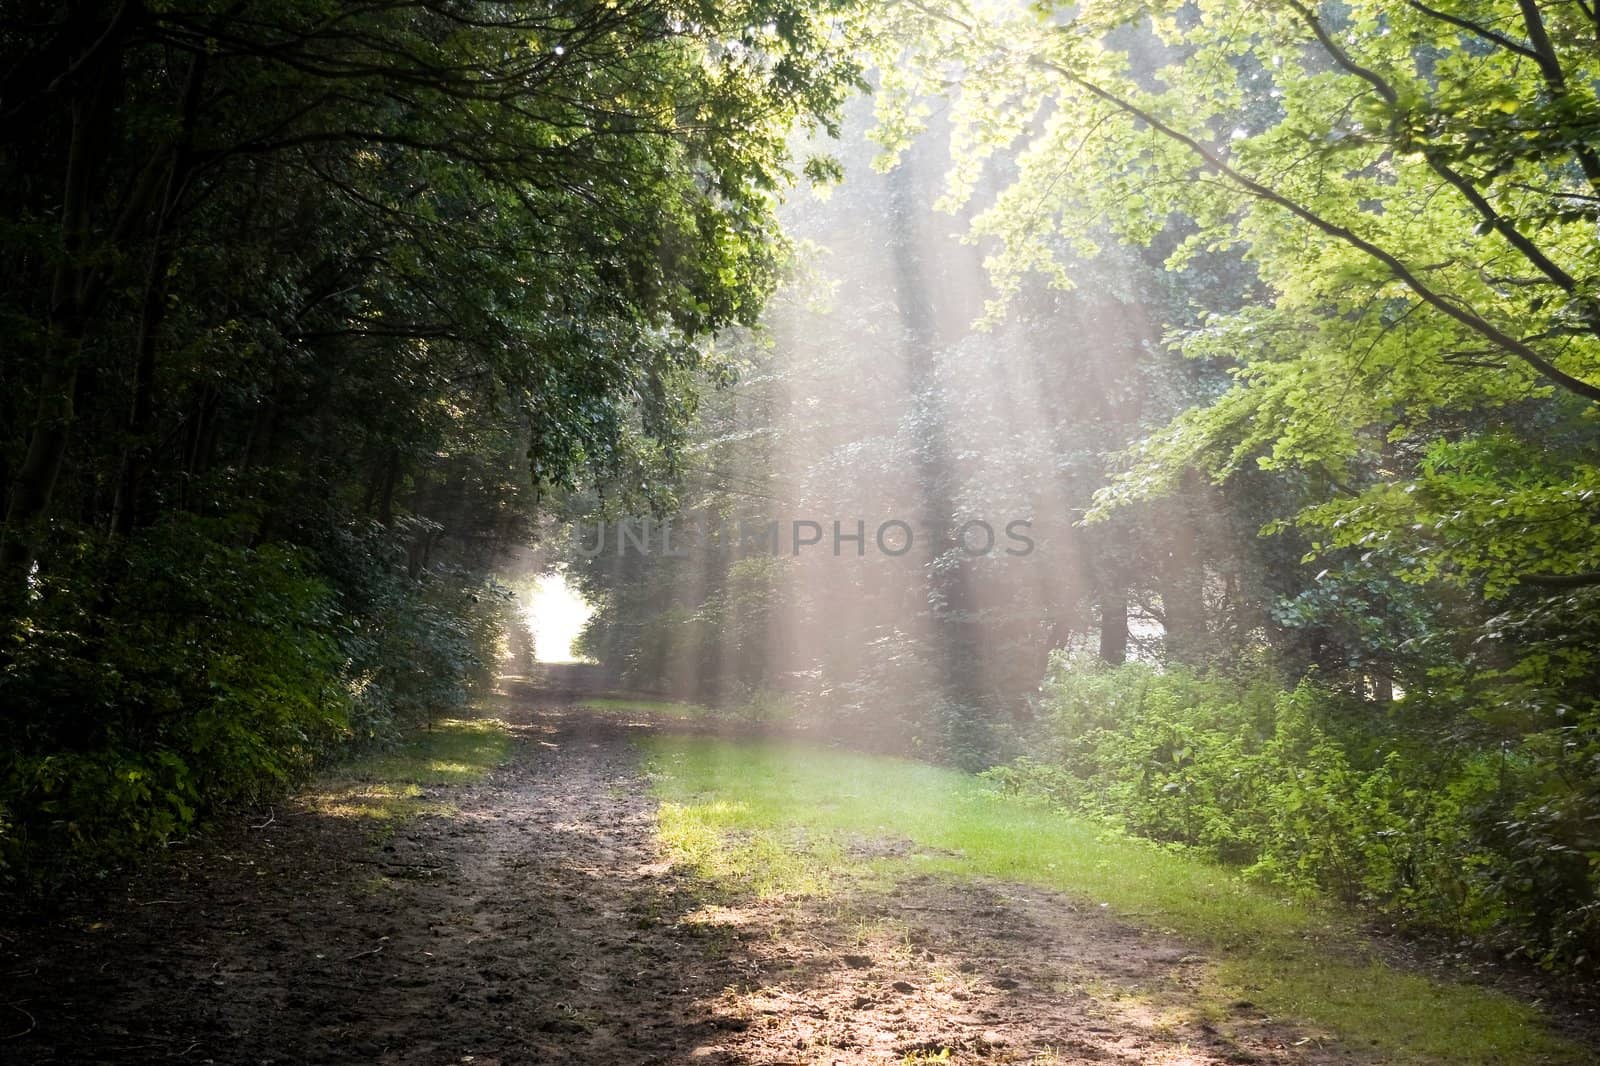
534, 920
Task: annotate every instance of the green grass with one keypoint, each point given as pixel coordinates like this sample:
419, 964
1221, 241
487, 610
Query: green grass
649, 708
762, 709
390, 787
772, 819
768, 863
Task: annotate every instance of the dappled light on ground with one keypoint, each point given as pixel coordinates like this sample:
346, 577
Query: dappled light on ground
565, 899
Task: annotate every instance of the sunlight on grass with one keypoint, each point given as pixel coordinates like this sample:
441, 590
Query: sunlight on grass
391, 786
649, 708
771, 818
768, 863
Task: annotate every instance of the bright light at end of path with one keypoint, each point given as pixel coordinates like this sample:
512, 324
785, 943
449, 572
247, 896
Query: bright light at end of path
556, 615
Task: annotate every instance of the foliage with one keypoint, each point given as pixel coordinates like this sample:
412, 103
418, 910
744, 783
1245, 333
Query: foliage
1306, 790
302, 308
202, 676
1407, 419
1415, 191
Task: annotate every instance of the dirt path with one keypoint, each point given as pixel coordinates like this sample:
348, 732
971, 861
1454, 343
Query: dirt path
539, 924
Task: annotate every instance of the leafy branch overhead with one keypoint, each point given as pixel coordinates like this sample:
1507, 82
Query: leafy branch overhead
1416, 189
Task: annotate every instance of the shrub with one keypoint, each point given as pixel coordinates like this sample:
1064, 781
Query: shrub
1318, 791
202, 675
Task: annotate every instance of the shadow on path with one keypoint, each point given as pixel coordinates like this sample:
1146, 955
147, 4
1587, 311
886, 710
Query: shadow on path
537, 923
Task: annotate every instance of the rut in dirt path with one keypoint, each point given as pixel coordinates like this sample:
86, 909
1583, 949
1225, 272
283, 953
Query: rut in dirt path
538, 923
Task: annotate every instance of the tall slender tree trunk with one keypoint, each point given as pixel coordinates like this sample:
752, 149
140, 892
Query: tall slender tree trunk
387, 486
136, 460
41, 465
1181, 578
1182, 587
1114, 626
950, 593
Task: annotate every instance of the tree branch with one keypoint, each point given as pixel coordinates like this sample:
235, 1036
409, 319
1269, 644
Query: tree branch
1584, 579
1492, 217
1544, 53
1476, 29
1398, 269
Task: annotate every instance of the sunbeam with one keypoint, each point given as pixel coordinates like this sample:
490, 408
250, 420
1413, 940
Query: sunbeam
842, 532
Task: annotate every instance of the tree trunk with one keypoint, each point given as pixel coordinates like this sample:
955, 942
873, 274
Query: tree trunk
1181, 581
391, 480
139, 456
259, 440
1114, 626
950, 593
125, 510
1183, 609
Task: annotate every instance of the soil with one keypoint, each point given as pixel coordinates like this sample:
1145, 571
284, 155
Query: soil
538, 922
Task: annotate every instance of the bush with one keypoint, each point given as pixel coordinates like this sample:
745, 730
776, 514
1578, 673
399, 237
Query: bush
1318, 791
760, 705
203, 675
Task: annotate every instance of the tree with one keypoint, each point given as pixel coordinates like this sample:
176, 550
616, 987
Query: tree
1411, 414
1413, 186
596, 138
305, 306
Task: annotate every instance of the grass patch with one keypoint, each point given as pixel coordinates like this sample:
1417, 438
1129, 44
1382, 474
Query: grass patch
649, 708
767, 862
759, 709
391, 787
770, 818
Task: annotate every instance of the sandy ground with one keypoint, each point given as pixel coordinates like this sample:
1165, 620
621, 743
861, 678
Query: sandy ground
540, 924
